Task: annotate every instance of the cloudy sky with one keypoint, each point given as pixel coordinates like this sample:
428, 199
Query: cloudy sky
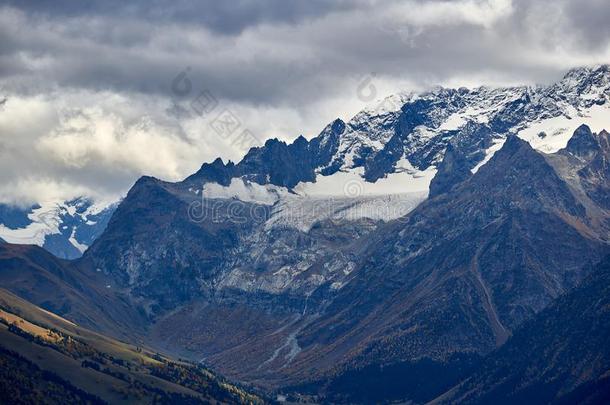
94, 94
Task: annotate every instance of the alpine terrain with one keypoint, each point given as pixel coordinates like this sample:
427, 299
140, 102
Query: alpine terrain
440, 246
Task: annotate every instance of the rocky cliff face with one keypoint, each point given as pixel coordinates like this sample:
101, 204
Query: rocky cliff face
392, 150
462, 270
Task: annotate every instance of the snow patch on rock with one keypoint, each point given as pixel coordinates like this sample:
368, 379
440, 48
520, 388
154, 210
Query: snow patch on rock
45, 221
553, 134
245, 191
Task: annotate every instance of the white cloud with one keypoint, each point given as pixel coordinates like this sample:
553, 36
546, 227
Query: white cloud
26, 191
91, 136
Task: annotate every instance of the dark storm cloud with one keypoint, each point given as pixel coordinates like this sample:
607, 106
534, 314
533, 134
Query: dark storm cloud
226, 17
288, 52
590, 19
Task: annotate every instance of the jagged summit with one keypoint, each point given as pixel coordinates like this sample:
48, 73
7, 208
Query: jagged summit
453, 170
583, 142
409, 133
583, 78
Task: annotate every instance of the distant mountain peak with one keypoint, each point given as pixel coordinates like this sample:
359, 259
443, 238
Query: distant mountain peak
578, 73
510, 226
337, 125
583, 142
453, 170
588, 81
513, 144
65, 228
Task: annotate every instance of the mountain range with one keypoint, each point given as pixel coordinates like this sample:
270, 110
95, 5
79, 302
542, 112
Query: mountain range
430, 249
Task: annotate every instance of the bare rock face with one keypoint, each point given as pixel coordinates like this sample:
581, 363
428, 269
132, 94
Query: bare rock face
453, 170
595, 176
583, 144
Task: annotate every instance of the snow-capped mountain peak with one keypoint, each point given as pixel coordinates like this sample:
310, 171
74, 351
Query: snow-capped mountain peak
65, 228
395, 146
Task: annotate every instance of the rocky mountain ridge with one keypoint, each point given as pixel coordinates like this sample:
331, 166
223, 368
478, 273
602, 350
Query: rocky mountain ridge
411, 131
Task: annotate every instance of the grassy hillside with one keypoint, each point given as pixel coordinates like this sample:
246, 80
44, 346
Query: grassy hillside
47, 359
72, 291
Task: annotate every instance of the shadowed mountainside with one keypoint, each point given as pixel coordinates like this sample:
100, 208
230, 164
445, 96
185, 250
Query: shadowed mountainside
559, 356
